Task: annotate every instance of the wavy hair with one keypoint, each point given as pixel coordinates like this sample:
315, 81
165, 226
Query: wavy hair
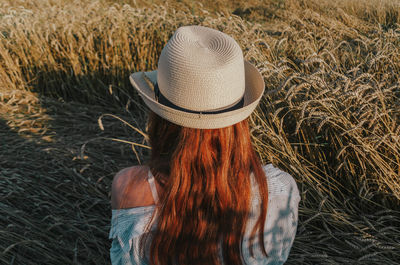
206, 198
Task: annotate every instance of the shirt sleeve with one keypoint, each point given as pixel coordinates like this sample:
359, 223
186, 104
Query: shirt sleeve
281, 220
127, 227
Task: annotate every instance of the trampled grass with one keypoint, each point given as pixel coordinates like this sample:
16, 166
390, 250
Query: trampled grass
330, 116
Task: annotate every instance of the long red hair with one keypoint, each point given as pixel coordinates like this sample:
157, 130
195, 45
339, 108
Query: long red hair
206, 199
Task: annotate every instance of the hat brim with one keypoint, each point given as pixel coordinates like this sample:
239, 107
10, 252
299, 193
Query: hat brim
254, 89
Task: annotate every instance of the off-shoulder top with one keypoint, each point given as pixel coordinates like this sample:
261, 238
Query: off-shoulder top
128, 225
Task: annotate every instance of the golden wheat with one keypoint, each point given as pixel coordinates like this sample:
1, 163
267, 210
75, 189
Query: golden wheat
330, 116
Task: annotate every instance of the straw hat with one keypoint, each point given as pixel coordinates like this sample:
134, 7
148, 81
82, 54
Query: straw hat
202, 80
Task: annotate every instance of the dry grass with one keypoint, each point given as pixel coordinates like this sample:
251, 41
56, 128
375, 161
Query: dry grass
330, 117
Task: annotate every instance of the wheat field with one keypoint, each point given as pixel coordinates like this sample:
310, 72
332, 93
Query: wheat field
69, 119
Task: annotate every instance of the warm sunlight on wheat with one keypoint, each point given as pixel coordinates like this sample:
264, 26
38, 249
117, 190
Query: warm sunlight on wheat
330, 116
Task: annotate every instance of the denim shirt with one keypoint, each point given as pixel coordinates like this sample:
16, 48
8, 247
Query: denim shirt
128, 225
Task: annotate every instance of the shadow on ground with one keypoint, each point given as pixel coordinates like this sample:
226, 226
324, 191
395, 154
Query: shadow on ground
54, 186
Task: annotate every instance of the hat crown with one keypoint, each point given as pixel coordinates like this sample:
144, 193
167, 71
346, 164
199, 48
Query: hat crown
201, 69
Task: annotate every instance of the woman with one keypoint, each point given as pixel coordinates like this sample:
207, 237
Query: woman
204, 197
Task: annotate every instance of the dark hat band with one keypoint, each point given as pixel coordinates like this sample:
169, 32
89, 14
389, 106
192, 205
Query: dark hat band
163, 100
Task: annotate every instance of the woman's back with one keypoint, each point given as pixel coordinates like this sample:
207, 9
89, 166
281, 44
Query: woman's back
217, 200
129, 224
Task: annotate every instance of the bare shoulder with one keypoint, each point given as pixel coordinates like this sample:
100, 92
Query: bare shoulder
130, 188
